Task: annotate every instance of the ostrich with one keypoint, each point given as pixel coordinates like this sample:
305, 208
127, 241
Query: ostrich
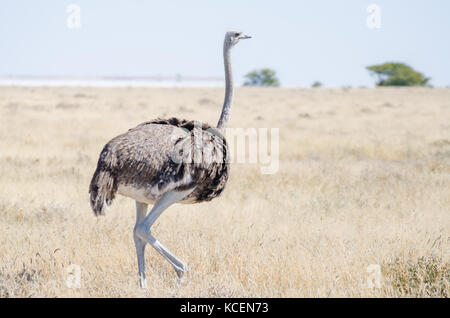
162, 162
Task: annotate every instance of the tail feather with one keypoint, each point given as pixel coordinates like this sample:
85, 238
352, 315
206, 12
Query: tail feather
102, 190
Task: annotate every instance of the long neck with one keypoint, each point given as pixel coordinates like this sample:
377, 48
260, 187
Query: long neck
228, 101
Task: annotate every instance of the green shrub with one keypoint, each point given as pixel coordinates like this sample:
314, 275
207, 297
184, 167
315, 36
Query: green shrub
425, 277
263, 77
397, 74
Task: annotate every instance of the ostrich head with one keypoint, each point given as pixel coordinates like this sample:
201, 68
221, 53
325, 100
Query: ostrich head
233, 37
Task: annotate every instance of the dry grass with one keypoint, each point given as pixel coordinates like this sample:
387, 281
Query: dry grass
364, 179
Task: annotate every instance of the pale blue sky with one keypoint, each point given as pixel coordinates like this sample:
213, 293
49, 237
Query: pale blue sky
304, 41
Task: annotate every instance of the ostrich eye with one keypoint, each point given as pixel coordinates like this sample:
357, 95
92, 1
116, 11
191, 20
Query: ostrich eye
237, 34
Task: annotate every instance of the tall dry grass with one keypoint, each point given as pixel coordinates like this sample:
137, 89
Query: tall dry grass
364, 179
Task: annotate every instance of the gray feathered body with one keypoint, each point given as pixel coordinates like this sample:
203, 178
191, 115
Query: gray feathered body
161, 156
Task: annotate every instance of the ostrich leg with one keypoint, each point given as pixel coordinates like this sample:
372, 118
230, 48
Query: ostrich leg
143, 228
141, 211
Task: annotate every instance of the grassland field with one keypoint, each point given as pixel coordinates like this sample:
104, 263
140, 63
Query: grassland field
363, 179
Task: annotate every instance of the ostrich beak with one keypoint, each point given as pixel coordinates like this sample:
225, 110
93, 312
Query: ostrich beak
246, 37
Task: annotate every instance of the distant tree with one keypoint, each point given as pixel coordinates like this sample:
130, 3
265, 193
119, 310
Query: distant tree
263, 77
397, 74
316, 84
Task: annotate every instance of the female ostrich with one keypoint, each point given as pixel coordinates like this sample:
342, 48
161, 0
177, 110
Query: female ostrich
162, 162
